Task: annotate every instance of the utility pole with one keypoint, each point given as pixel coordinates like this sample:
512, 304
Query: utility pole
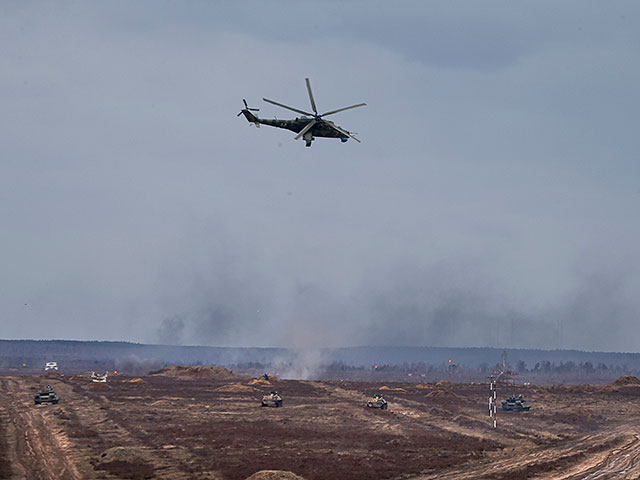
493, 389
493, 402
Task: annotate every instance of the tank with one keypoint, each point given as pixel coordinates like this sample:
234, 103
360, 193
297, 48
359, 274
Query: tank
45, 396
515, 404
272, 400
377, 402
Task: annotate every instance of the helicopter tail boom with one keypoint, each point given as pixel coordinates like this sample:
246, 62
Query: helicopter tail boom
250, 117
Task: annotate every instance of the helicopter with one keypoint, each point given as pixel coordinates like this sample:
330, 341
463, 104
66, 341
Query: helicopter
307, 127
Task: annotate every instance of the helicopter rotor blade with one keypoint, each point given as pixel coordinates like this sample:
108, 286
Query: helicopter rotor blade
343, 109
247, 107
306, 128
313, 102
344, 132
288, 108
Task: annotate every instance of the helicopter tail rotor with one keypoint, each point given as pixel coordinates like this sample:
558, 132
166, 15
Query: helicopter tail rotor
246, 107
246, 111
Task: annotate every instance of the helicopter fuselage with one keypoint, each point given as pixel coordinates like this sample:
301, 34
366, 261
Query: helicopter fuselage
320, 129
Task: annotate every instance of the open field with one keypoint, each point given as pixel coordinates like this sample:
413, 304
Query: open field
205, 423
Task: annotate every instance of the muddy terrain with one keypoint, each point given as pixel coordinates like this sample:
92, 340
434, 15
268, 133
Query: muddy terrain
206, 423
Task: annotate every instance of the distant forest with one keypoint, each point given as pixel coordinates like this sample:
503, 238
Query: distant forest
29, 356
544, 367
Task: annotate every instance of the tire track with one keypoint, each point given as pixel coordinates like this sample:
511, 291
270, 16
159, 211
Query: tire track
37, 445
621, 463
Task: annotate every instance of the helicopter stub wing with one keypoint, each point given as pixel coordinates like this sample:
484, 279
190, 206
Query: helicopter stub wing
306, 128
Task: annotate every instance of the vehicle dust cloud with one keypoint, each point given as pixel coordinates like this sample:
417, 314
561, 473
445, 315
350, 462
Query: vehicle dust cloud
132, 365
437, 305
300, 364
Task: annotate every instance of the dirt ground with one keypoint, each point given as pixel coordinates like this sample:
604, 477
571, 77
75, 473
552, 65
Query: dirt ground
211, 426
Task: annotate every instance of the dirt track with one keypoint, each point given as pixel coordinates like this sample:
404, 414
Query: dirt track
214, 428
38, 446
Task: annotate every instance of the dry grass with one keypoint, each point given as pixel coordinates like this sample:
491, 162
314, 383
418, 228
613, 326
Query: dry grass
234, 388
5, 464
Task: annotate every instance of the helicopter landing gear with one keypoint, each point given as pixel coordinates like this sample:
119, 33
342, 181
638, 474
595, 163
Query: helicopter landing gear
308, 137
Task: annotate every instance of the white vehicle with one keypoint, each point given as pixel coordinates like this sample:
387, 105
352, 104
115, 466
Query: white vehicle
95, 377
51, 367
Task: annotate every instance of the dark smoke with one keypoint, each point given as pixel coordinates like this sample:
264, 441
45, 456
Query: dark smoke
132, 365
600, 313
171, 331
462, 303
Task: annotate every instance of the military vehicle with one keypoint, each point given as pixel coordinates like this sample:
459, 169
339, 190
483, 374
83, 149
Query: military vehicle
45, 396
96, 377
309, 125
272, 400
51, 367
517, 404
377, 402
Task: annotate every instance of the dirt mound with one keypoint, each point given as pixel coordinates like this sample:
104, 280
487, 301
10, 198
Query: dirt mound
626, 381
274, 475
398, 389
135, 380
260, 382
443, 383
574, 389
126, 462
234, 388
441, 393
124, 454
81, 377
424, 385
197, 371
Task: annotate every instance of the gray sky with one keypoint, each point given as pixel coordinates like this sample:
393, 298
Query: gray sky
493, 201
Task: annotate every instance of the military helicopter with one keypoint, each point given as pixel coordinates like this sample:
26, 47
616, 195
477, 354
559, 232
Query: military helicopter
309, 126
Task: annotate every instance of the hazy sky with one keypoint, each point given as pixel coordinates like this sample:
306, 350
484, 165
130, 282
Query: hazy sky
493, 200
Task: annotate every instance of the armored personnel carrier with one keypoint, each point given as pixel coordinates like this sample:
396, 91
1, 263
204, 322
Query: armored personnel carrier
45, 396
377, 402
272, 400
515, 404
